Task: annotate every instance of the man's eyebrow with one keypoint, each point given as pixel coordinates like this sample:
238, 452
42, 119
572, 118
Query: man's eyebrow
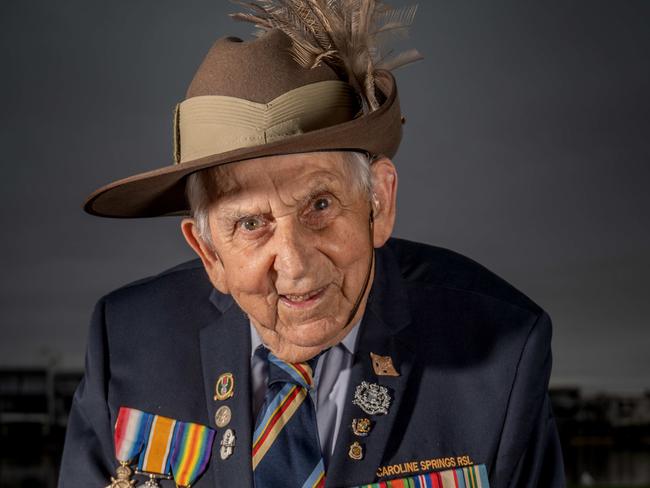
321, 182
232, 212
315, 187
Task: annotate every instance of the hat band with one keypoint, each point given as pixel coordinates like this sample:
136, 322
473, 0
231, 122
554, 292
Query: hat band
213, 124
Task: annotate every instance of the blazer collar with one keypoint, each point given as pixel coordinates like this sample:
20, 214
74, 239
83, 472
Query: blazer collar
388, 297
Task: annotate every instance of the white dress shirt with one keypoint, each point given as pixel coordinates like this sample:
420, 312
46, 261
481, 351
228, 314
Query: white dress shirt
331, 380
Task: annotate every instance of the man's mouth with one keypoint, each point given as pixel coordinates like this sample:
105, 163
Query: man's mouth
302, 300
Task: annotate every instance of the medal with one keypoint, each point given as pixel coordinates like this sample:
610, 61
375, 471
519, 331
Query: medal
154, 459
361, 427
372, 398
227, 444
165, 446
131, 428
191, 451
222, 416
356, 451
123, 480
225, 387
152, 482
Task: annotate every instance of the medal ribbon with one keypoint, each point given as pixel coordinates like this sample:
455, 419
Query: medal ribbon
468, 477
131, 429
155, 457
191, 451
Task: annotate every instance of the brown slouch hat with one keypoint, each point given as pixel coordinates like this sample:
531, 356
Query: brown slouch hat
250, 99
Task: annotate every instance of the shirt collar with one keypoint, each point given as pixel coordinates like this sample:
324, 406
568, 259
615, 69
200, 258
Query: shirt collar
255, 338
349, 342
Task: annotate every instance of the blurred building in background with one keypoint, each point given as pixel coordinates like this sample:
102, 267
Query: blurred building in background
34, 406
605, 438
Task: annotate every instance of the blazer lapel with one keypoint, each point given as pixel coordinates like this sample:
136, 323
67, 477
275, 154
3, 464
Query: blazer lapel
226, 348
386, 314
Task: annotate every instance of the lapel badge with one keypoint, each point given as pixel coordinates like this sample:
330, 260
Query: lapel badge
383, 365
356, 451
361, 427
227, 444
225, 387
223, 416
372, 398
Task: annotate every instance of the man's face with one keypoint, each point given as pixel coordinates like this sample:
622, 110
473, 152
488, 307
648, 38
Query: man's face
293, 245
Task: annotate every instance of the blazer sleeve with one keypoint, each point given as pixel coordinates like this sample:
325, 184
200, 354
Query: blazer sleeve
529, 452
88, 458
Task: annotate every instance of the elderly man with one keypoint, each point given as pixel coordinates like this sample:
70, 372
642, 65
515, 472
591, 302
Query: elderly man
318, 349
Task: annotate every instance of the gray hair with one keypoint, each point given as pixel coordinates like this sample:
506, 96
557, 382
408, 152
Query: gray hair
205, 186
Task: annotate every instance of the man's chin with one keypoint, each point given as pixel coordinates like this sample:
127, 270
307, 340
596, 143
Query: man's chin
292, 353
303, 342
315, 333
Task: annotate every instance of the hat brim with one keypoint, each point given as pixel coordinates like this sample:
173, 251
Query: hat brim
162, 191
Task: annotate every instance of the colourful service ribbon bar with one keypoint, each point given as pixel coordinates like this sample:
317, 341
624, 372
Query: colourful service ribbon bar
191, 450
131, 429
468, 477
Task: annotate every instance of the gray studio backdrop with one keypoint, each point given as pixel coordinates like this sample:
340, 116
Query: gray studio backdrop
526, 147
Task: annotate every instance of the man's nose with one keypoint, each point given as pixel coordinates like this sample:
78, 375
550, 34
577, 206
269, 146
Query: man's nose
293, 249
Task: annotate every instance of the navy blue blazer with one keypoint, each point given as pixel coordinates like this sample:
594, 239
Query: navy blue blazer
473, 355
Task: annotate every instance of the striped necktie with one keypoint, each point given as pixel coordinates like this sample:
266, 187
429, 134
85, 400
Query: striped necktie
286, 448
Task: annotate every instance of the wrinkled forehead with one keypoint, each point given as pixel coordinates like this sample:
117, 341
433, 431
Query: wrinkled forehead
288, 173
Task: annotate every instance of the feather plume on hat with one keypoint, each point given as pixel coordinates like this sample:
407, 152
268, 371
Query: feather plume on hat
351, 36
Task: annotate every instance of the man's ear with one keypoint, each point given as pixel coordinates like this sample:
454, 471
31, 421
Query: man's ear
211, 261
384, 199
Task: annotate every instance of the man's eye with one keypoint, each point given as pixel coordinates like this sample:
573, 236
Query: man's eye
321, 204
251, 223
